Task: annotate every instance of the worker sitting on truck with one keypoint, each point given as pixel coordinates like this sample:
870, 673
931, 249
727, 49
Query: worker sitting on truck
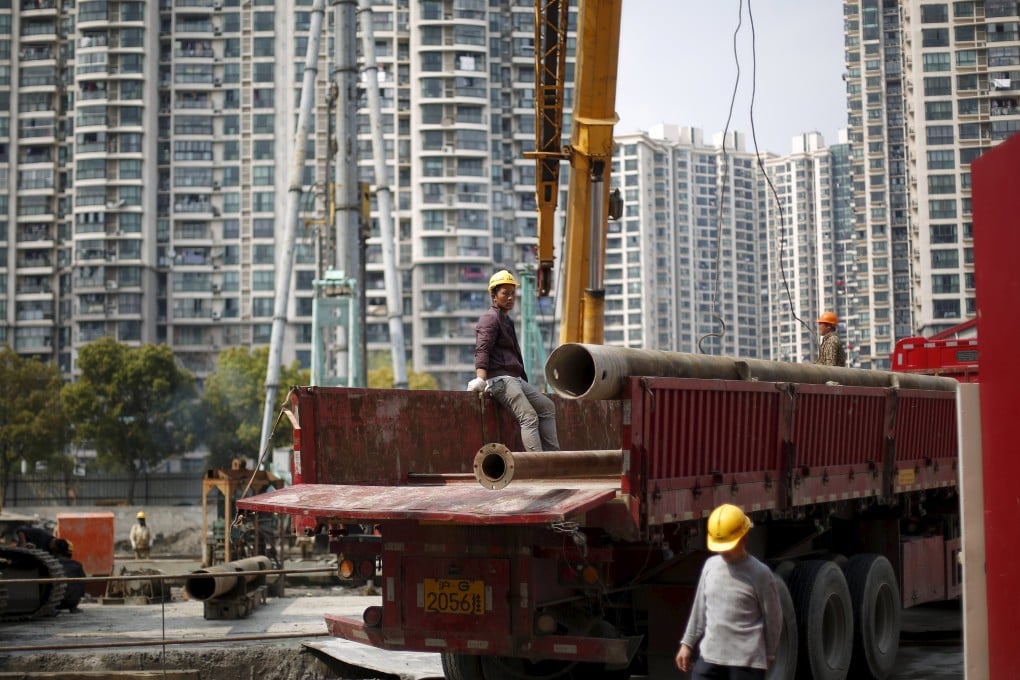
736, 615
830, 349
499, 368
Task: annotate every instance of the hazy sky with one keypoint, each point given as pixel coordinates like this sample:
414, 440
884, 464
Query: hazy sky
677, 66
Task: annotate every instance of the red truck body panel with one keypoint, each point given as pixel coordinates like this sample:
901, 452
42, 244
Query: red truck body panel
955, 358
996, 244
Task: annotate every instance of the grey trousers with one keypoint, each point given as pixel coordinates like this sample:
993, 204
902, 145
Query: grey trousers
535, 412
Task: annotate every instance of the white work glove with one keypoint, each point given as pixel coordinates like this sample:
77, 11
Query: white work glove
476, 385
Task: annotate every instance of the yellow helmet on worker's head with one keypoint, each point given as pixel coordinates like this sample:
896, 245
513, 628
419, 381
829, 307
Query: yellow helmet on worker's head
140, 515
726, 526
829, 318
502, 278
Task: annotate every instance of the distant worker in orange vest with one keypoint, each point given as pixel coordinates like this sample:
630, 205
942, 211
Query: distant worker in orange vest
141, 538
830, 349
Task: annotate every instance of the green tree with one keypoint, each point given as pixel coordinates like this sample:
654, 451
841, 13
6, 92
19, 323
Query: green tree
132, 404
234, 401
32, 425
380, 374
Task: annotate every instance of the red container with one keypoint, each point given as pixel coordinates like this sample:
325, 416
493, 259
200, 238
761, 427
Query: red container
92, 536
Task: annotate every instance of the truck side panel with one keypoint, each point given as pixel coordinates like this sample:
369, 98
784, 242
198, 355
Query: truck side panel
381, 437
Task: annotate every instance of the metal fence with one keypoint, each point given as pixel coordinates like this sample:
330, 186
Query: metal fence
172, 488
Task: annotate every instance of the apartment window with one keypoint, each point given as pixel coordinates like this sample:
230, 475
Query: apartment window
945, 283
262, 279
939, 134
942, 208
941, 184
937, 61
964, 34
263, 149
262, 253
943, 233
963, 9
262, 72
946, 309
938, 110
262, 175
264, 47
945, 259
130, 169
934, 14
967, 107
938, 86
935, 37
966, 58
967, 83
263, 123
941, 160
231, 151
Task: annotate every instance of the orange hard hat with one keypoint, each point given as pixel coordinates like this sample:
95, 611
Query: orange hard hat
829, 318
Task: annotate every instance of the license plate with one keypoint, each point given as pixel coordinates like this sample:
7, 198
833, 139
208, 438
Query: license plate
454, 596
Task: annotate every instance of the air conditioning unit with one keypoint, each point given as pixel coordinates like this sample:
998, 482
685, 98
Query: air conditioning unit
217, 82
111, 285
217, 4
217, 30
447, 149
216, 288
214, 315
216, 112
216, 186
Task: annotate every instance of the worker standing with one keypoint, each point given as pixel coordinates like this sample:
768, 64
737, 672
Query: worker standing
736, 616
499, 368
830, 349
141, 538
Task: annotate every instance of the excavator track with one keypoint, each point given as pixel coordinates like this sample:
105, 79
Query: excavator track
25, 601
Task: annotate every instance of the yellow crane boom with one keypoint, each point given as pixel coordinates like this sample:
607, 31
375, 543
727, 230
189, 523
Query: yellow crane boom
589, 154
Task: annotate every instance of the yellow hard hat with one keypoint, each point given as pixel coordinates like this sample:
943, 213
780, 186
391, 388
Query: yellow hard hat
502, 278
140, 515
726, 526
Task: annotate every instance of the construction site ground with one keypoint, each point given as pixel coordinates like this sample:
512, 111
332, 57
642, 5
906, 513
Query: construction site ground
286, 638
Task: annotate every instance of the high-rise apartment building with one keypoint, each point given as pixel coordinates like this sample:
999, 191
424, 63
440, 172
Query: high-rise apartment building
804, 257
146, 160
458, 115
930, 86
683, 273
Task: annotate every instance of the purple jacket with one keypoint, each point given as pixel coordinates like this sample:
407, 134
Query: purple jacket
496, 347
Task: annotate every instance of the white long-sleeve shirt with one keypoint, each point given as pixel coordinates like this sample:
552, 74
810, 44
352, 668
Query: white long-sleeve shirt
736, 614
141, 537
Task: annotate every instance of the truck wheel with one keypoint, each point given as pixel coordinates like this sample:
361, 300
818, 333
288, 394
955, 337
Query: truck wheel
825, 620
785, 665
876, 605
462, 667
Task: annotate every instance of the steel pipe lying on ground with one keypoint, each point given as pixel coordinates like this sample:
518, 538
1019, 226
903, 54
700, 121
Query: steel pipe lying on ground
496, 465
582, 371
211, 582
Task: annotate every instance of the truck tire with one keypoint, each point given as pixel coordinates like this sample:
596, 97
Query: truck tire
462, 667
825, 621
875, 596
784, 667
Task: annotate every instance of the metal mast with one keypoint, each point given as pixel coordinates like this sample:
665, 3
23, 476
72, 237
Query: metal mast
285, 260
384, 199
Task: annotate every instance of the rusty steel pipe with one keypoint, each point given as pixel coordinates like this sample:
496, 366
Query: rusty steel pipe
496, 465
582, 371
205, 584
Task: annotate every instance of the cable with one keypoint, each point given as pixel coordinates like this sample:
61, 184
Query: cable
768, 180
721, 185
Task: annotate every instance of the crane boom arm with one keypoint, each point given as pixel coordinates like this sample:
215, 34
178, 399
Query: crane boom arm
589, 153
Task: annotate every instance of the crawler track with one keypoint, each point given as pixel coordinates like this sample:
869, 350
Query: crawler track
24, 601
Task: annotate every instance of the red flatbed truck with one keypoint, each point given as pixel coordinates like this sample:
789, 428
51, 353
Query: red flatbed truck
852, 490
